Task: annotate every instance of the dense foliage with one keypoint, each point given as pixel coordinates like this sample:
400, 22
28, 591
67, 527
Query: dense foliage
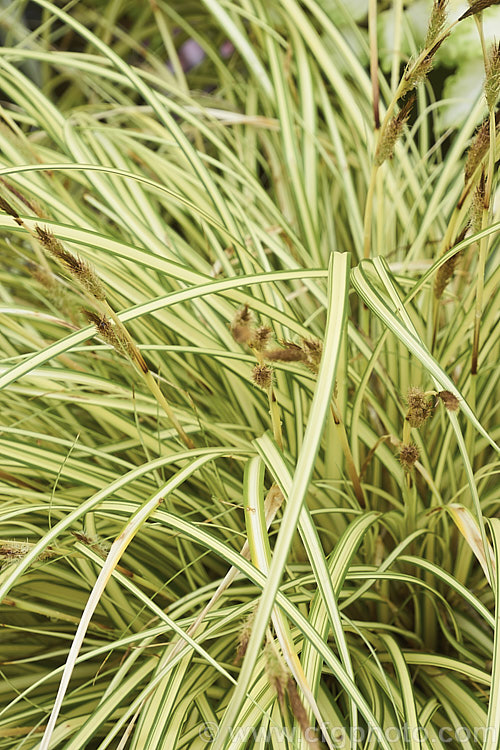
248, 297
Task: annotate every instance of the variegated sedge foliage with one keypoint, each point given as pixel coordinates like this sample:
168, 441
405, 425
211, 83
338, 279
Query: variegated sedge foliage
193, 196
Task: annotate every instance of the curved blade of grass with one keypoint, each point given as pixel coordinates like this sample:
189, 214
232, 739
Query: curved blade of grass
207, 454
161, 112
241, 43
405, 331
469, 528
117, 549
224, 286
227, 553
260, 553
406, 690
492, 741
337, 289
329, 576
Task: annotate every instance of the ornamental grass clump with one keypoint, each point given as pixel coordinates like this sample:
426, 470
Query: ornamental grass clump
249, 348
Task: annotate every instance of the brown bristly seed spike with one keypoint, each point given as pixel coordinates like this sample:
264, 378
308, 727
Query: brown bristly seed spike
446, 271
415, 74
492, 80
80, 269
291, 353
436, 22
242, 325
419, 407
443, 276
449, 400
300, 713
15, 550
51, 243
385, 149
313, 350
262, 376
477, 204
479, 146
260, 338
105, 329
244, 315
408, 455
244, 636
276, 670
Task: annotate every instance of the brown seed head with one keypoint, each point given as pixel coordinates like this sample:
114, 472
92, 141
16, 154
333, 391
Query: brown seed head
407, 455
242, 325
419, 407
97, 545
477, 204
478, 148
80, 269
449, 399
313, 349
276, 670
300, 713
244, 315
106, 330
446, 271
492, 81
244, 636
392, 132
416, 73
436, 22
291, 353
260, 338
14, 550
262, 376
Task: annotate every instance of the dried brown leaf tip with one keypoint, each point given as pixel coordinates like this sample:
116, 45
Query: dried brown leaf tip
477, 7
5, 206
242, 325
419, 407
408, 455
392, 132
80, 269
492, 81
262, 376
449, 399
